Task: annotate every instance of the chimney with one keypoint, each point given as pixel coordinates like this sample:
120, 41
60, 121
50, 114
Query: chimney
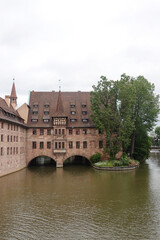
7, 99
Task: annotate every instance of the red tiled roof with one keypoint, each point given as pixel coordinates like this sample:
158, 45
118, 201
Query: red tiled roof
60, 105
11, 114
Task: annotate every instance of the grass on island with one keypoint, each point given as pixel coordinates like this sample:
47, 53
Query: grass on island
117, 163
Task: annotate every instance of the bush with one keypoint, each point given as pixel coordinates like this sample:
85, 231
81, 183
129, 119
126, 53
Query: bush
125, 160
95, 158
117, 163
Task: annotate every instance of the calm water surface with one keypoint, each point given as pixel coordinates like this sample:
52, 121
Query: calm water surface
78, 202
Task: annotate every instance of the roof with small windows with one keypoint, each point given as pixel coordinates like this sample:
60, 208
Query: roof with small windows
60, 104
8, 113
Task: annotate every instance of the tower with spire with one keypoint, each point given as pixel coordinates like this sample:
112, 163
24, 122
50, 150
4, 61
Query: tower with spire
13, 96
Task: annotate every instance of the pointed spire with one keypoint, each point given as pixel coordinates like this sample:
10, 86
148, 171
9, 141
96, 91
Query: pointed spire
13, 91
13, 96
59, 104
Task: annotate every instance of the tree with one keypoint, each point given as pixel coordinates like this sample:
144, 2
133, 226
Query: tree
157, 132
104, 108
145, 109
120, 108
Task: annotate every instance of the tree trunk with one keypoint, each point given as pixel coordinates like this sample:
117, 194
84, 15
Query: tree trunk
132, 144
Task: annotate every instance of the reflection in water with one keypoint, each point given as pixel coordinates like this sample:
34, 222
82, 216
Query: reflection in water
78, 202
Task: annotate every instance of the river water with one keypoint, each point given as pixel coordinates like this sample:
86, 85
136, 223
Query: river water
78, 202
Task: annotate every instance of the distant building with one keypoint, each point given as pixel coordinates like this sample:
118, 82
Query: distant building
12, 136
55, 124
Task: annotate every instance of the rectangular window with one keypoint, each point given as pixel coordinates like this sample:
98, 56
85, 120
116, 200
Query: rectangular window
48, 145
100, 144
41, 145
62, 131
70, 144
8, 126
11, 138
59, 131
70, 131
34, 131
17, 139
11, 150
16, 150
84, 131
1, 138
1, 152
56, 131
56, 145
63, 145
48, 131
8, 138
59, 145
77, 131
41, 131
1, 124
7, 150
77, 144
34, 145
14, 138
85, 144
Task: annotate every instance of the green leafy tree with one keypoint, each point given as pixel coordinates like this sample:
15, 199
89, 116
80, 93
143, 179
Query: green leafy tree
157, 132
104, 108
146, 108
121, 108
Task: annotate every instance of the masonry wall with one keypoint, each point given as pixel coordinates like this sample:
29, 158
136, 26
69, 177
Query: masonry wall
88, 143
12, 147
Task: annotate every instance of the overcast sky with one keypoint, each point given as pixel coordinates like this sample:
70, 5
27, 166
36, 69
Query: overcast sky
77, 41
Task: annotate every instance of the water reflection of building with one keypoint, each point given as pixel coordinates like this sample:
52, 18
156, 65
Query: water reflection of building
55, 124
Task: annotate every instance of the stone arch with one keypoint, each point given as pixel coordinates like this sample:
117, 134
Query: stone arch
42, 159
71, 158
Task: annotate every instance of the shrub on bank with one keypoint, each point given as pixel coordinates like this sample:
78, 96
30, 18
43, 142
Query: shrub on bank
95, 158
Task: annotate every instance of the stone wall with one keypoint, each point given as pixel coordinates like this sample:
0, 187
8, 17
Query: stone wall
88, 145
12, 147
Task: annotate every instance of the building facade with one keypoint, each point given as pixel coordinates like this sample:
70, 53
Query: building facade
12, 136
54, 124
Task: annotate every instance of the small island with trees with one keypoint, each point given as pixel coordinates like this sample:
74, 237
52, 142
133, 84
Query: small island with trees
125, 111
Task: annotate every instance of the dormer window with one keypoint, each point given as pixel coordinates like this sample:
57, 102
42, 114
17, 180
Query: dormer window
72, 105
35, 105
73, 120
46, 112
46, 105
35, 112
85, 120
84, 112
73, 112
84, 105
45, 120
34, 120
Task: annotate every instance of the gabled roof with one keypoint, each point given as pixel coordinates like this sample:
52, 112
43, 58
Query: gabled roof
60, 105
9, 113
